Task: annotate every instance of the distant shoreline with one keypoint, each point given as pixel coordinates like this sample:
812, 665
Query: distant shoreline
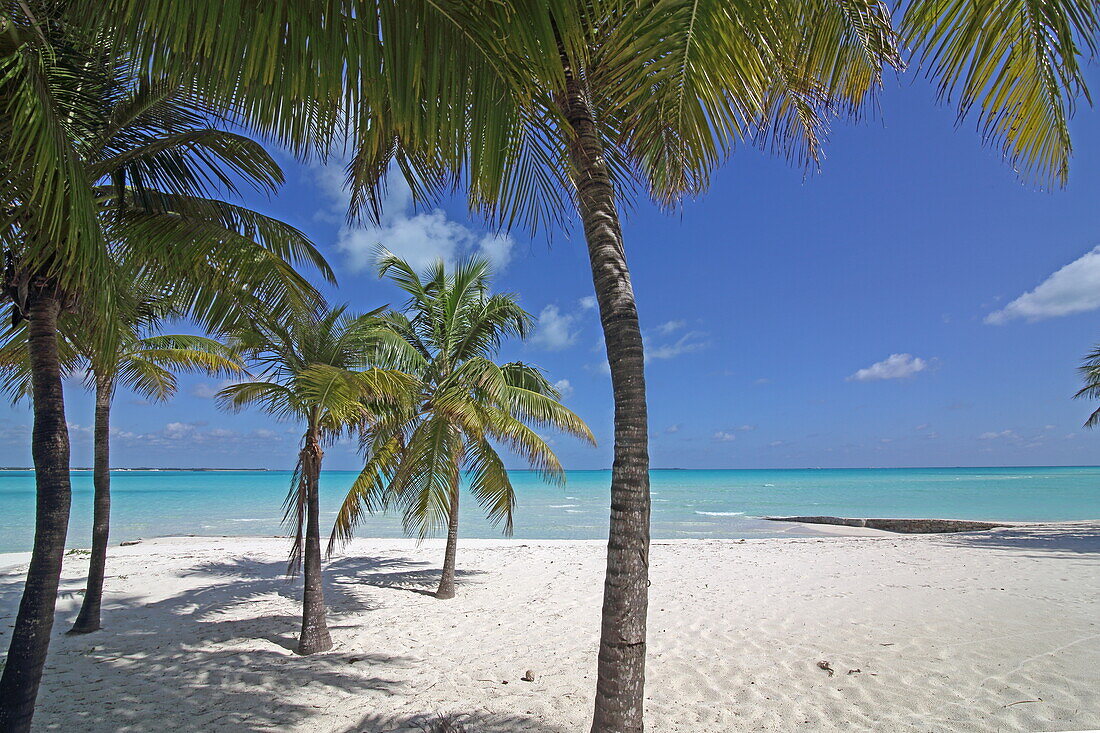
608, 470
144, 468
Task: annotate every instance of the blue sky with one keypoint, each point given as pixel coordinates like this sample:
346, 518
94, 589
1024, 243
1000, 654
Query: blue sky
904, 306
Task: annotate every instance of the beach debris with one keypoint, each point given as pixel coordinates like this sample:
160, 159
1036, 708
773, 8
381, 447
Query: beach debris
442, 724
528, 676
1021, 702
824, 664
854, 671
127, 543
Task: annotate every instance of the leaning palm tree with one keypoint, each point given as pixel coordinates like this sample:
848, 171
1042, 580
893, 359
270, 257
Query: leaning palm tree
465, 403
133, 355
548, 106
314, 368
102, 165
1090, 374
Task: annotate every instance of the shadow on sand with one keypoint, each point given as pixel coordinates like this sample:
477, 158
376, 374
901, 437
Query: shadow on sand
458, 723
1070, 539
193, 660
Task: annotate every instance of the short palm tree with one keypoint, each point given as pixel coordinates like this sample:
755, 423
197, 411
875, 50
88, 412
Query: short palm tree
464, 403
314, 368
102, 165
1090, 373
133, 355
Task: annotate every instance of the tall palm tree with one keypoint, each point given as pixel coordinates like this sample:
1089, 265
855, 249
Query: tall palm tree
101, 165
133, 355
314, 368
464, 403
546, 105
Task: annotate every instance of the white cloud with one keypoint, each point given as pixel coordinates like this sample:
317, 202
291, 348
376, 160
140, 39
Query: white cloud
564, 387
1004, 434
670, 327
895, 366
1073, 289
674, 428
192, 434
588, 302
419, 238
686, 344
554, 330
723, 436
205, 391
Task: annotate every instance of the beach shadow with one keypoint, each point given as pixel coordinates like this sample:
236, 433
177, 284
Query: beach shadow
1040, 540
219, 656
423, 579
480, 722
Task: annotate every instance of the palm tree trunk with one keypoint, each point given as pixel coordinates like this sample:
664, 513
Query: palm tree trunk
447, 581
88, 619
315, 636
620, 677
30, 639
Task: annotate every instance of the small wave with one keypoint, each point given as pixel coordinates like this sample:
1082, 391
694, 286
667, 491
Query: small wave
261, 519
575, 511
571, 498
769, 484
562, 506
720, 514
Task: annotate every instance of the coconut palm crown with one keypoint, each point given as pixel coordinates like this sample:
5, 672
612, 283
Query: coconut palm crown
464, 404
314, 368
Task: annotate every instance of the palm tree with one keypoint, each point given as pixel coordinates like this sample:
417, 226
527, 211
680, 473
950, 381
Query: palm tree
313, 368
464, 402
101, 165
543, 106
1090, 373
133, 356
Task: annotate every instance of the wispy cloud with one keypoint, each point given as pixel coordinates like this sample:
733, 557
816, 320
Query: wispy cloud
895, 366
724, 436
196, 434
564, 387
555, 329
670, 327
1002, 435
689, 342
419, 238
1073, 289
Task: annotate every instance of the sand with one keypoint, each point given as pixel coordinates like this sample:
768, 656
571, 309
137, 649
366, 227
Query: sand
994, 631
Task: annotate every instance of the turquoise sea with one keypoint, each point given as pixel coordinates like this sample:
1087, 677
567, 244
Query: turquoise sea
686, 503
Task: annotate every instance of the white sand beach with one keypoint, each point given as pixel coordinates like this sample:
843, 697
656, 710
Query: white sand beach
993, 631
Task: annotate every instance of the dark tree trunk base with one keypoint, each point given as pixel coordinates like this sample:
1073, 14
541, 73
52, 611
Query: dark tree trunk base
315, 636
30, 637
79, 628
447, 580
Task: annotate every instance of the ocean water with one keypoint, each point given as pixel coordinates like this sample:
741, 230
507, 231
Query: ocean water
686, 503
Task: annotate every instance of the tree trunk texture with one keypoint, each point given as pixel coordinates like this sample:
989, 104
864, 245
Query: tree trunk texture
89, 618
315, 636
621, 667
30, 639
447, 580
